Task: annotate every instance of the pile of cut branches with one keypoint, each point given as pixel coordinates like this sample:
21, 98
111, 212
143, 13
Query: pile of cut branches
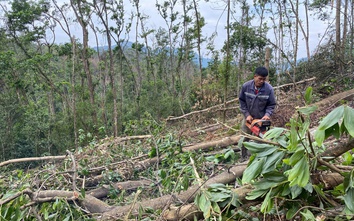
293, 173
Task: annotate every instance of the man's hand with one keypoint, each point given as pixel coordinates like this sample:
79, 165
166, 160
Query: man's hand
265, 117
249, 119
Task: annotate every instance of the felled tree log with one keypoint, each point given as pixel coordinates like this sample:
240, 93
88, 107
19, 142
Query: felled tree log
90, 203
332, 100
335, 152
330, 180
128, 185
187, 212
184, 197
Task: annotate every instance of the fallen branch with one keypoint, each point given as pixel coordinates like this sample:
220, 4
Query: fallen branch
235, 100
89, 202
139, 166
292, 84
217, 107
28, 159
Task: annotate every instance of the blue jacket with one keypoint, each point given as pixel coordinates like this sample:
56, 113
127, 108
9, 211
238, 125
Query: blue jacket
257, 105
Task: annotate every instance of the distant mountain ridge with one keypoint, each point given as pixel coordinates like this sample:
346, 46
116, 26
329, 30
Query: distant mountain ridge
205, 61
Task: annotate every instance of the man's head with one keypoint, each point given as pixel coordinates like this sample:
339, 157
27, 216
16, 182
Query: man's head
260, 76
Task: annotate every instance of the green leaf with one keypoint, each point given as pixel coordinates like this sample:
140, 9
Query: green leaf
307, 110
333, 117
67, 218
333, 130
308, 95
267, 204
298, 155
348, 120
293, 138
265, 184
267, 152
254, 194
273, 133
46, 214
308, 215
253, 170
218, 186
272, 161
229, 153
292, 212
219, 196
274, 176
152, 153
295, 191
299, 174
204, 204
319, 137
216, 207
348, 158
257, 147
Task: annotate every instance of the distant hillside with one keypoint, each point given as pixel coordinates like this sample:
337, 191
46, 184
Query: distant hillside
127, 45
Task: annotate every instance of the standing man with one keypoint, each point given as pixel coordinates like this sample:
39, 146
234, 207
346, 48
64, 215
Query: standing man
257, 101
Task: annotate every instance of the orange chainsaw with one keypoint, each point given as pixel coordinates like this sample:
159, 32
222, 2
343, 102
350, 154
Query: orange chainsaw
259, 127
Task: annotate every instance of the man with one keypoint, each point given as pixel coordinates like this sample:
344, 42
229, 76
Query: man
257, 101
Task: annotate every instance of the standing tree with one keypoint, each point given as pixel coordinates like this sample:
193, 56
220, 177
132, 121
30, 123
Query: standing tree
83, 14
102, 10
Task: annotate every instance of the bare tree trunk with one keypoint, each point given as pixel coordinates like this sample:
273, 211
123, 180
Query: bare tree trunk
103, 15
81, 17
228, 56
345, 30
351, 37
73, 82
199, 41
338, 40
138, 78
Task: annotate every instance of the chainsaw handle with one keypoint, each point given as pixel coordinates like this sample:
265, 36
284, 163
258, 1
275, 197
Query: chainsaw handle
257, 121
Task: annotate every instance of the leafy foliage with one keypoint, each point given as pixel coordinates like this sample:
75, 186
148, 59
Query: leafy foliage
217, 201
283, 171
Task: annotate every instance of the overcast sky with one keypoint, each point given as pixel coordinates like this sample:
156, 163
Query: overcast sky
215, 17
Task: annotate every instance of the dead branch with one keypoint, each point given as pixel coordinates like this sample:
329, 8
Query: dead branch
292, 84
74, 169
114, 165
222, 106
139, 166
171, 118
121, 139
28, 159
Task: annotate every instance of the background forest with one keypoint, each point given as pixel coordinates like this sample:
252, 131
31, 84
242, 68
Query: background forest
58, 96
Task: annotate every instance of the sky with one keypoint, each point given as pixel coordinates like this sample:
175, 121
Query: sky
215, 16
